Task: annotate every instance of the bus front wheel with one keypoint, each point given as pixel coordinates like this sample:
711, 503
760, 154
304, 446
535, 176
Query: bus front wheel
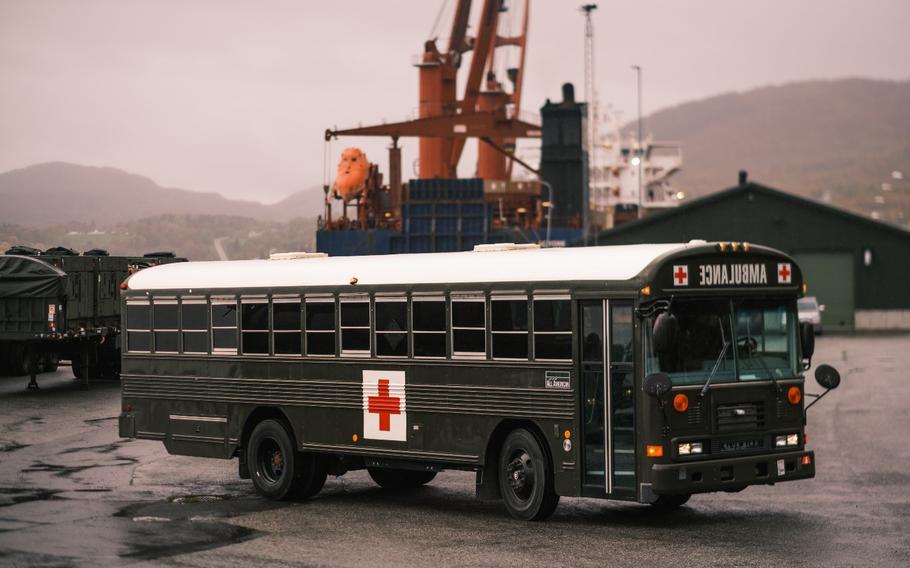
670, 502
526, 477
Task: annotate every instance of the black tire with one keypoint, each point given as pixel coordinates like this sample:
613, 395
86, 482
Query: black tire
50, 363
310, 477
400, 478
18, 362
670, 502
526, 477
273, 461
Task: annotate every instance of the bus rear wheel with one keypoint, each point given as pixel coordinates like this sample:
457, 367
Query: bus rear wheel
278, 471
400, 478
311, 475
526, 477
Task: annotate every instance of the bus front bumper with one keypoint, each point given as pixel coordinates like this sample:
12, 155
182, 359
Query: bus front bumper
731, 474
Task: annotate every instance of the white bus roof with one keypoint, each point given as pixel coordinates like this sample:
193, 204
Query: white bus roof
501, 266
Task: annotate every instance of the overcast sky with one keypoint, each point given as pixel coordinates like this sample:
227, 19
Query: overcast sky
234, 96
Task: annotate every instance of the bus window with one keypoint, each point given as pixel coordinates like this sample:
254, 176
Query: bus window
391, 327
469, 326
621, 334
254, 325
355, 326
287, 328
429, 314
552, 328
509, 327
765, 339
164, 318
224, 326
320, 326
138, 327
194, 319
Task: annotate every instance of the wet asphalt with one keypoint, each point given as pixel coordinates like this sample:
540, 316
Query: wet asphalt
72, 493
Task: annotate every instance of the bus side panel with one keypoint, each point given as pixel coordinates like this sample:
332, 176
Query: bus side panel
199, 407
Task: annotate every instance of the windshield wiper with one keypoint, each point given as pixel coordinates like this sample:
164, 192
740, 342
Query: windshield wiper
770, 373
720, 357
761, 360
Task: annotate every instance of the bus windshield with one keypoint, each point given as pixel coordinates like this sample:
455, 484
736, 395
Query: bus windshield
726, 340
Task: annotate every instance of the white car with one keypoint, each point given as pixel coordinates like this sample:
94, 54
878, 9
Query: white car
811, 312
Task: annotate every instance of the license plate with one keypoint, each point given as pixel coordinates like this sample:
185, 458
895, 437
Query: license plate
781, 468
740, 445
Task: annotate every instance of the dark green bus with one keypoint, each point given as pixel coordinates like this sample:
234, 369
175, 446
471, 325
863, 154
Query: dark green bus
641, 373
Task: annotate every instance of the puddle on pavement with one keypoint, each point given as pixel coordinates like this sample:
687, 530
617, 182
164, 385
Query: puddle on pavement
188, 499
185, 523
11, 446
13, 496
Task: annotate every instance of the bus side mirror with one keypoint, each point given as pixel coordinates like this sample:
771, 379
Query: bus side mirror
827, 377
807, 339
657, 384
666, 328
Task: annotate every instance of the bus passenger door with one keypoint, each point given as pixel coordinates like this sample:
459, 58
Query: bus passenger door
593, 393
622, 392
607, 397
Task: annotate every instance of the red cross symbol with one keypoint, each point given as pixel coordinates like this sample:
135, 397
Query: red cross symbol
783, 273
384, 405
681, 274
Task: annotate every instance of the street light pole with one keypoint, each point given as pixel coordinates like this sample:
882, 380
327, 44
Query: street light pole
640, 152
549, 209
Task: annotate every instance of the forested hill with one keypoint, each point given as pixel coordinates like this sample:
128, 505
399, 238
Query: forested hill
842, 138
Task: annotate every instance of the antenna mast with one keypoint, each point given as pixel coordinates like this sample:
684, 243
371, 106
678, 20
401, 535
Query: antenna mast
591, 98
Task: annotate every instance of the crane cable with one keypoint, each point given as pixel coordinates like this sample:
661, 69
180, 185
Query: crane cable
435, 27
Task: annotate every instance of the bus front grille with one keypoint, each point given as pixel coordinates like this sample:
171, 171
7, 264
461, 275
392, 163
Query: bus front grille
741, 416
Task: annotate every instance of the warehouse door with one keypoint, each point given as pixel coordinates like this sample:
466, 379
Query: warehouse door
830, 279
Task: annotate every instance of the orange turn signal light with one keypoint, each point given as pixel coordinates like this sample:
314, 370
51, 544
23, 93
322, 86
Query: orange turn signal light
654, 451
681, 402
794, 395
807, 460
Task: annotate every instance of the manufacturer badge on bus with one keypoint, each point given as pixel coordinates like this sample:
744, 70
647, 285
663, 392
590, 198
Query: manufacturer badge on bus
558, 380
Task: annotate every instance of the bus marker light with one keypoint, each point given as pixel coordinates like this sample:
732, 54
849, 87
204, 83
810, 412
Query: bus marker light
567, 434
745, 247
794, 395
354, 437
681, 402
805, 287
721, 247
807, 460
734, 246
805, 439
646, 291
654, 451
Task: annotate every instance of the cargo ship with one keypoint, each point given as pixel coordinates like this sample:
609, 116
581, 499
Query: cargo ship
556, 201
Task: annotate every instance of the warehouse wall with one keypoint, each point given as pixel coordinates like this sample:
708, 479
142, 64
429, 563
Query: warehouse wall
798, 226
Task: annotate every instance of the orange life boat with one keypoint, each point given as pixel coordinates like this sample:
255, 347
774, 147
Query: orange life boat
353, 170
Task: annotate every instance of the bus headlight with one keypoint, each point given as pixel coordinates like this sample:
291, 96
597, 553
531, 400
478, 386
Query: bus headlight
689, 448
786, 440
